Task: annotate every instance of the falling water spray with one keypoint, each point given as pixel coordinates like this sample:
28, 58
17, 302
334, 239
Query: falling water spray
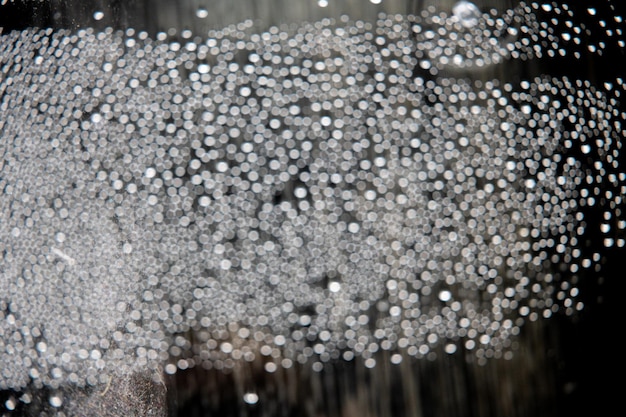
323, 209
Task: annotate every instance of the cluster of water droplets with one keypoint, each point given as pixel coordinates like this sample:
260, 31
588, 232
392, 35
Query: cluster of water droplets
301, 194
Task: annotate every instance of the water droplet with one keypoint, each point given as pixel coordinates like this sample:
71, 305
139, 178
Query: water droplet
445, 295
56, 400
250, 398
10, 404
450, 348
127, 248
467, 13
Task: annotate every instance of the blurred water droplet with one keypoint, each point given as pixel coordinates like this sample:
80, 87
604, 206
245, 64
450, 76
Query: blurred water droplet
467, 13
56, 400
251, 398
10, 404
